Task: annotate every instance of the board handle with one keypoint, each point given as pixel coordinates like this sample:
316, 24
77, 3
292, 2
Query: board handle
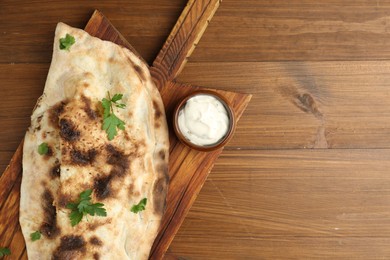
182, 40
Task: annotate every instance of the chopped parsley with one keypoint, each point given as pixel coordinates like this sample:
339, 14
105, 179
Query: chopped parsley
84, 207
43, 148
140, 206
66, 42
35, 236
110, 121
4, 251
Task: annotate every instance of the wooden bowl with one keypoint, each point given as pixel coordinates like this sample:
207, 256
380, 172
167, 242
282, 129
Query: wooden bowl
221, 142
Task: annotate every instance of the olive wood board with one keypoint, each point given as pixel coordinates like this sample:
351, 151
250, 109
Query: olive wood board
188, 168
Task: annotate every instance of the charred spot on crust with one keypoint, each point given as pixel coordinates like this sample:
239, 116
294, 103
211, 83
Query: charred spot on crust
64, 150
56, 170
157, 114
96, 256
70, 247
157, 111
88, 108
39, 119
102, 187
117, 172
72, 242
93, 226
115, 157
140, 72
118, 159
160, 189
161, 153
98, 223
120, 165
55, 112
63, 200
138, 69
95, 241
49, 152
49, 226
83, 158
68, 130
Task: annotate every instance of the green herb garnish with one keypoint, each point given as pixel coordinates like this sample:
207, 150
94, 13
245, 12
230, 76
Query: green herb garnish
110, 121
66, 42
4, 251
140, 206
35, 236
85, 207
43, 148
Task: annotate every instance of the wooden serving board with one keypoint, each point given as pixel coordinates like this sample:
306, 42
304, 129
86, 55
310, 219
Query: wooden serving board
188, 168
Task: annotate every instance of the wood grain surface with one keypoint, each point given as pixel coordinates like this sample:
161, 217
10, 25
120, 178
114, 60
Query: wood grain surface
188, 169
306, 174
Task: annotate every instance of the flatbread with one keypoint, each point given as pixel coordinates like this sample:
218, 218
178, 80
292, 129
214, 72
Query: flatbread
121, 172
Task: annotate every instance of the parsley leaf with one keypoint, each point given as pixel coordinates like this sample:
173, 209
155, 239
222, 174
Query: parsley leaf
75, 217
99, 210
110, 124
140, 206
43, 148
84, 207
4, 251
66, 42
116, 97
110, 121
86, 195
35, 236
106, 107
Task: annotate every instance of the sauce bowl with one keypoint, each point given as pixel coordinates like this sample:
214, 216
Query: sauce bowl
205, 148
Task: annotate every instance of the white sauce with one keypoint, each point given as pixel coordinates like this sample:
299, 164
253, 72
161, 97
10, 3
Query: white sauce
203, 120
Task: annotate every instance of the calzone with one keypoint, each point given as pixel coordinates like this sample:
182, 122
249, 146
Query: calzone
77, 163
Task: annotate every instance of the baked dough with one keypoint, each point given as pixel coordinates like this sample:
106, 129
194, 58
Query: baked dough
121, 172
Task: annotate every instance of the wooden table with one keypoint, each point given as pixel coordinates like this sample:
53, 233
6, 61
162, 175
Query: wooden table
307, 174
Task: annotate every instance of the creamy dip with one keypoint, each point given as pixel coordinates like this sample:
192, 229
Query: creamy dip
203, 120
